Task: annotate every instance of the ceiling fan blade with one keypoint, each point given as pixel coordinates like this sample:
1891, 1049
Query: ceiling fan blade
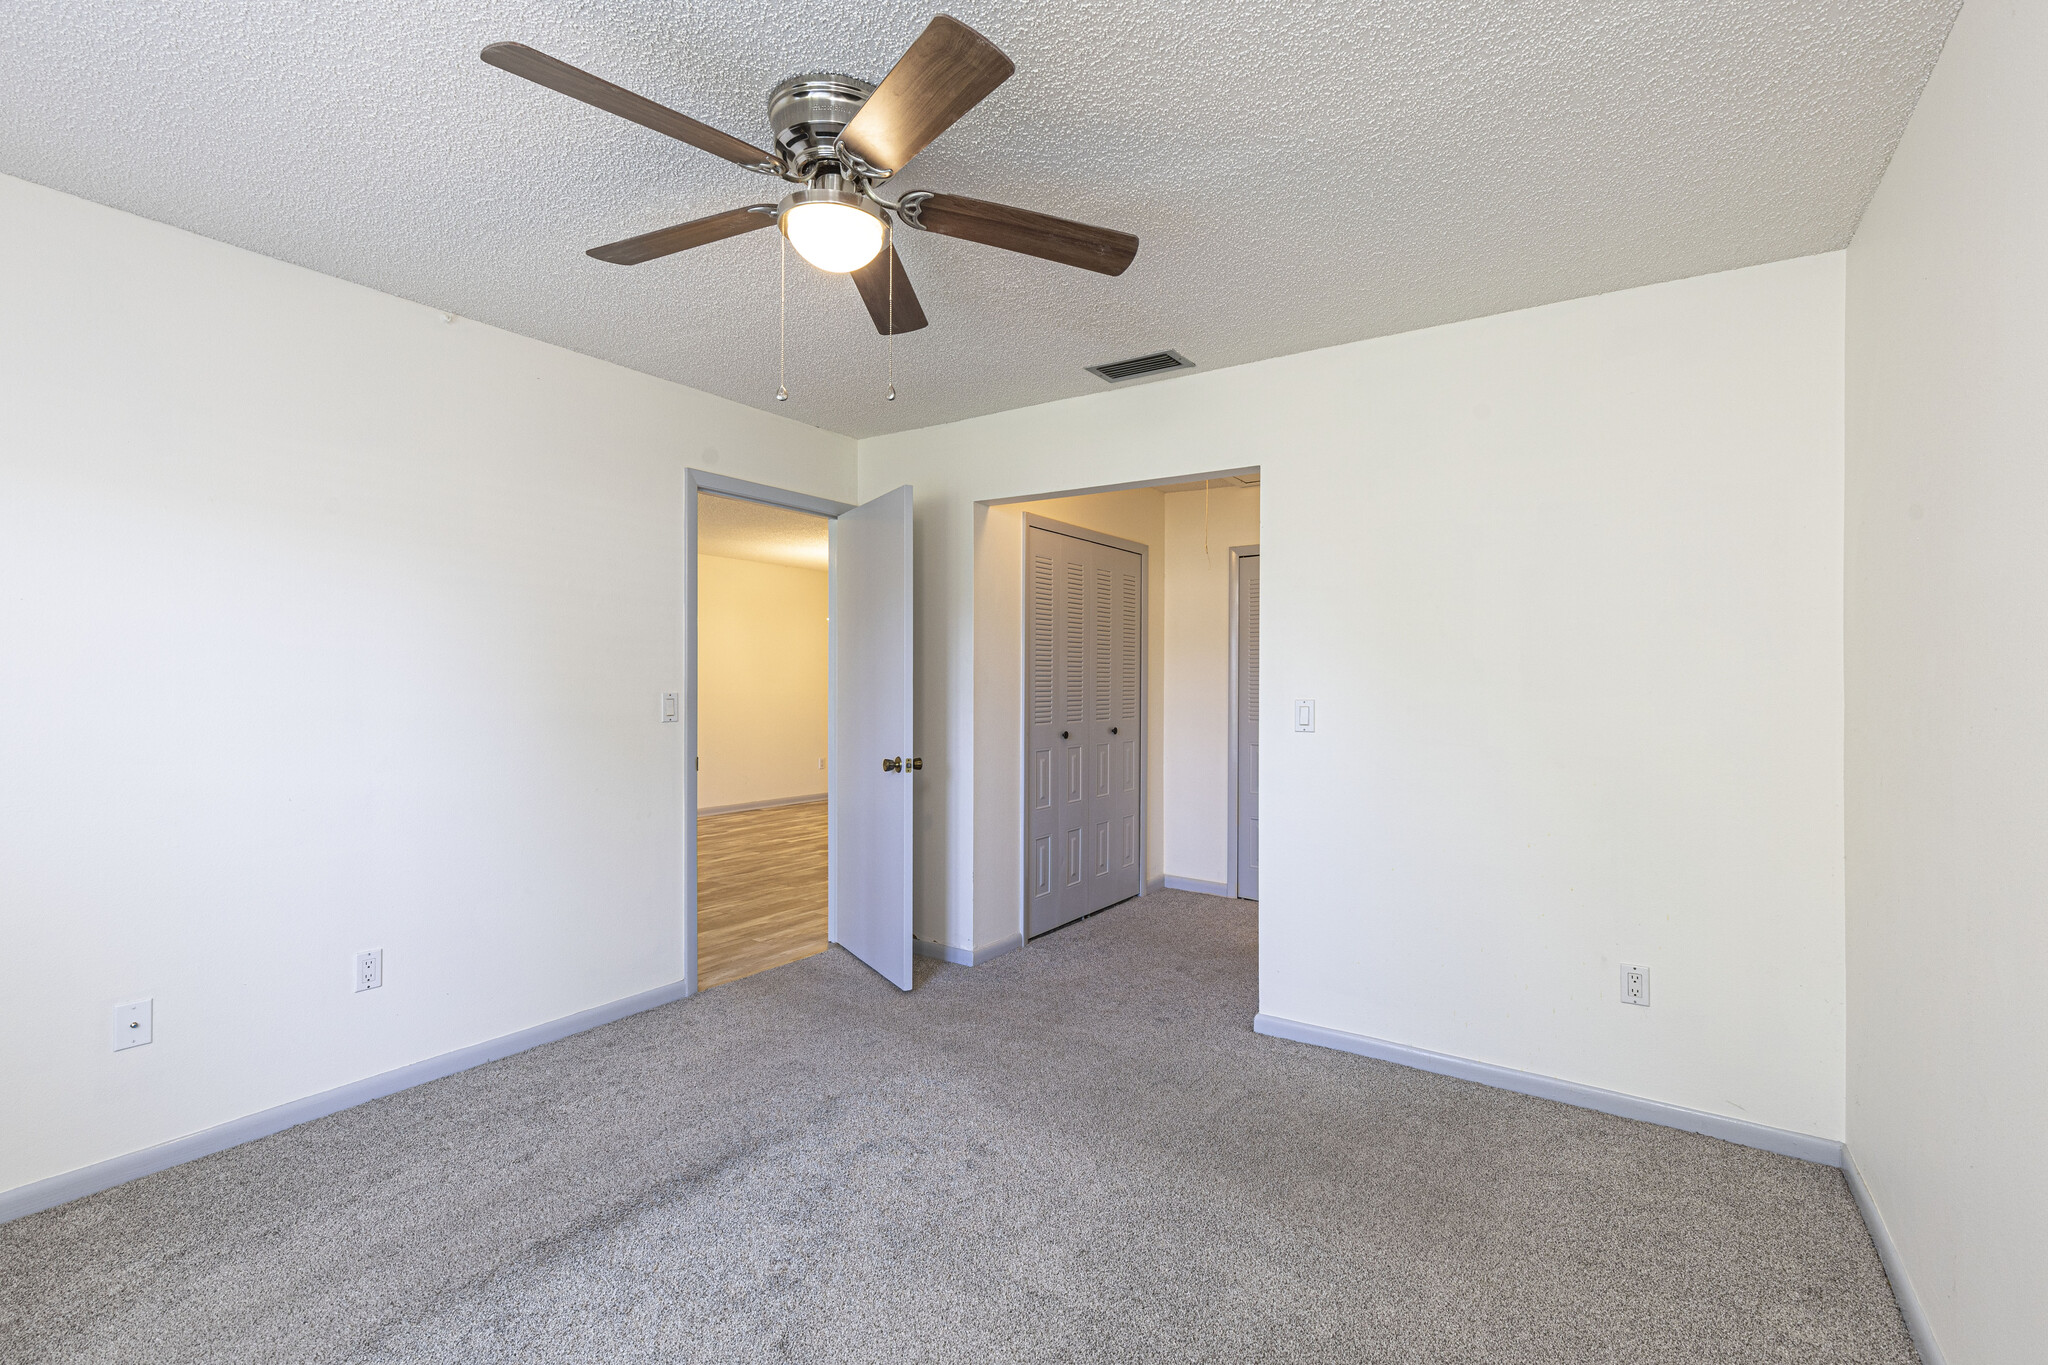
1104, 250
945, 73
872, 280
668, 241
541, 69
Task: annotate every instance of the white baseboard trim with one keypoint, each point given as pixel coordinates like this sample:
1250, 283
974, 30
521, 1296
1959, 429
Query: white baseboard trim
760, 805
38, 1195
967, 957
1806, 1147
998, 948
1910, 1307
1197, 884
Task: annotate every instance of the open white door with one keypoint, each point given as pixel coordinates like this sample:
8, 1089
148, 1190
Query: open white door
870, 781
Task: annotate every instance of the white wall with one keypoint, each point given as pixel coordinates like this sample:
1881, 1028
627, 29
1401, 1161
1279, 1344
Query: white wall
1201, 810
1566, 584
761, 675
1948, 692
327, 625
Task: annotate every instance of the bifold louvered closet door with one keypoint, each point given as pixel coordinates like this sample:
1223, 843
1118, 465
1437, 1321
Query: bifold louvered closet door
1083, 708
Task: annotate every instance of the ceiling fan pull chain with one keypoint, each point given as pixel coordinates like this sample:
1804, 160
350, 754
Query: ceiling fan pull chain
782, 333
889, 250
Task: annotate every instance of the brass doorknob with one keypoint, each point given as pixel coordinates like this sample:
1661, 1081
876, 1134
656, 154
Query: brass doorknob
892, 765
917, 765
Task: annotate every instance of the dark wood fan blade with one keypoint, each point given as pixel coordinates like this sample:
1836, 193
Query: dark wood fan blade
945, 73
541, 69
873, 281
669, 240
1104, 250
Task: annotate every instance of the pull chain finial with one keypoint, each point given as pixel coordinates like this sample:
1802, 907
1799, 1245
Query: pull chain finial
889, 248
782, 329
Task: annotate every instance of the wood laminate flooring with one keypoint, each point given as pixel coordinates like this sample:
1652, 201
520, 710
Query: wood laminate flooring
760, 890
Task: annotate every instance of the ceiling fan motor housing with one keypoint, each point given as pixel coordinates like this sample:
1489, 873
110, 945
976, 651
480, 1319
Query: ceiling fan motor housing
807, 113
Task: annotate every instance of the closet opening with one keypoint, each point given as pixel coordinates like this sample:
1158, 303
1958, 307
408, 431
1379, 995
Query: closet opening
1139, 694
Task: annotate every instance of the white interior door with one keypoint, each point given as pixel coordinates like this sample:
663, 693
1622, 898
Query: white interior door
872, 768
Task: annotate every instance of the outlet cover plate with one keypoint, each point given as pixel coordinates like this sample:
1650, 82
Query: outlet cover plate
1635, 984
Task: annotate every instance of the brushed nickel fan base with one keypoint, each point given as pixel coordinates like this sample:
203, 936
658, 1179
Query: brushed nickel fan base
807, 113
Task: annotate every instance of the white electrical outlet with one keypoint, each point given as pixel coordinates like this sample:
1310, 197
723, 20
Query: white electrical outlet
370, 969
1635, 984
1304, 716
133, 1024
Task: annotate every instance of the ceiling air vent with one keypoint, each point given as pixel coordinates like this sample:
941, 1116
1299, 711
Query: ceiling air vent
1116, 371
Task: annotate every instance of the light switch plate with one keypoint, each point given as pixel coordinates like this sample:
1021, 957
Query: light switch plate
134, 1024
1304, 716
671, 707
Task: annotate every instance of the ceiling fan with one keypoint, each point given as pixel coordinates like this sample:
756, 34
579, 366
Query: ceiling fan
839, 139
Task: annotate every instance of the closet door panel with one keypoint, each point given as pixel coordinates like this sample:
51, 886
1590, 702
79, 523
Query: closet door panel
1059, 659
1083, 654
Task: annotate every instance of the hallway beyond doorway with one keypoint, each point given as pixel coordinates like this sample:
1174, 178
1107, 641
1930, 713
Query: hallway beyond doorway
760, 890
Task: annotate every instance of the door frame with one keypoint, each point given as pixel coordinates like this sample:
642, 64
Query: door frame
1144, 553
697, 481
1238, 554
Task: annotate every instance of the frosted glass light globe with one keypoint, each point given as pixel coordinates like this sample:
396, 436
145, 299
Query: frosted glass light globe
832, 237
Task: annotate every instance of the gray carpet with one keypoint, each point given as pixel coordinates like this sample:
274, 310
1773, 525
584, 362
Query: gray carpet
1079, 1152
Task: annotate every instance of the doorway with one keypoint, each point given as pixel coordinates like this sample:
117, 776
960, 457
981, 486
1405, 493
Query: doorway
1124, 660
763, 584
798, 726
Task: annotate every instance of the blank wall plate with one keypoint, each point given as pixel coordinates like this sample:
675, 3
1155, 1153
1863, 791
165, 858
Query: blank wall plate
134, 1024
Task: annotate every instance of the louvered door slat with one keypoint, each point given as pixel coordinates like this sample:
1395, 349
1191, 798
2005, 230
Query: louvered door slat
1041, 639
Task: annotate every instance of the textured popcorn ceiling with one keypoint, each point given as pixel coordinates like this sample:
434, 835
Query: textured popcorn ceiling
1301, 173
733, 528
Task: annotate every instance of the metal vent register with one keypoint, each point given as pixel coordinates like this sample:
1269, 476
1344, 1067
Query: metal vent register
1156, 363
